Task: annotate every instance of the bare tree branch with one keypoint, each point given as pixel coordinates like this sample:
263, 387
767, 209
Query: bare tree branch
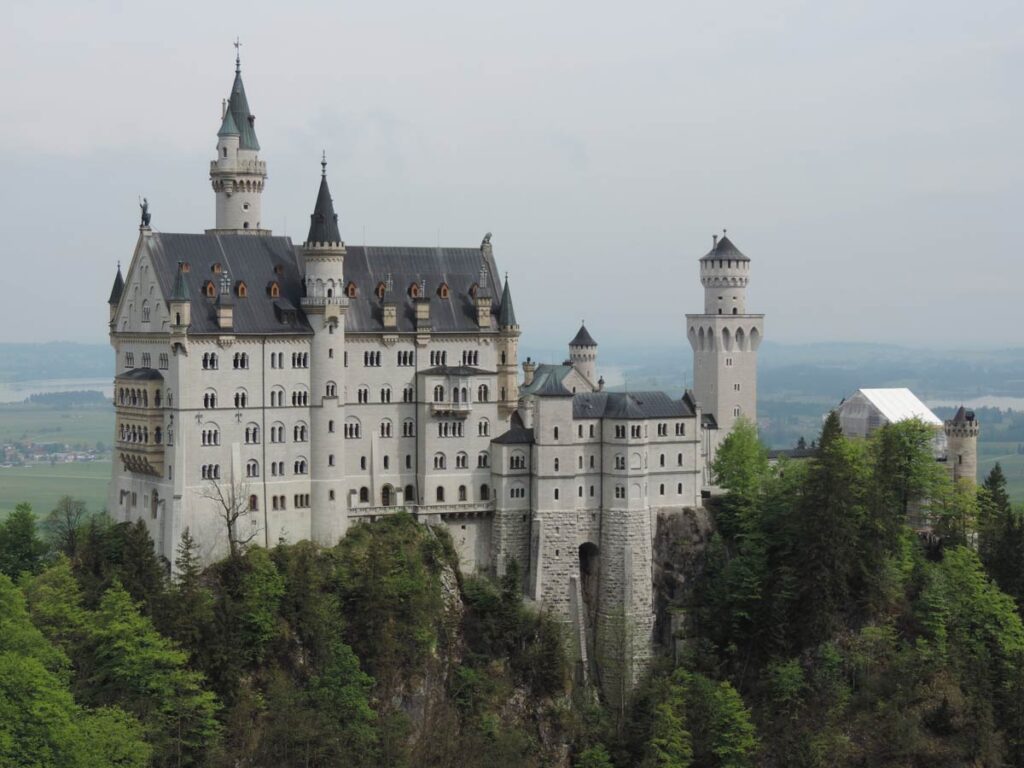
232, 503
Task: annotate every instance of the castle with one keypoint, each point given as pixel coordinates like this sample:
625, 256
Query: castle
269, 391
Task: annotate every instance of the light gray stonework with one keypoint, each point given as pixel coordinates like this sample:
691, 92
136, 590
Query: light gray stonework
325, 384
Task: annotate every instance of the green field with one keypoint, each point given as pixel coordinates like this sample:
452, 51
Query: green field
1011, 462
42, 484
47, 425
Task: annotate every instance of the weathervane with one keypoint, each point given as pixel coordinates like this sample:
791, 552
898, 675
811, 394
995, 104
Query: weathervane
323, 162
238, 54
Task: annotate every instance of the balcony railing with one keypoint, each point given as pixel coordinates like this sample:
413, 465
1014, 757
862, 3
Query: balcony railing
453, 409
324, 301
443, 508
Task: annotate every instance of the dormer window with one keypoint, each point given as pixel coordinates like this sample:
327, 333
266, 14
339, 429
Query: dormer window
414, 290
186, 267
351, 291
216, 268
209, 289
381, 290
274, 289
241, 289
474, 289
442, 290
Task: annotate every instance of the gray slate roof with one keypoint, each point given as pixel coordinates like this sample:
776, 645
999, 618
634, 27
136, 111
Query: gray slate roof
724, 249
583, 338
368, 266
249, 258
629, 405
515, 436
323, 222
507, 314
117, 289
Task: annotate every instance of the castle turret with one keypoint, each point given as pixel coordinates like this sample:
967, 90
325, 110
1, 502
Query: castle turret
962, 445
180, 302
238, 175
583, 355
325, 305
725, 338
508, 351
115, 292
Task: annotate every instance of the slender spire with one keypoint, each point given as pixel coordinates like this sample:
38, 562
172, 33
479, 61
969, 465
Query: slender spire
238, 106
180, 290
323, 223
117, 289
506, 315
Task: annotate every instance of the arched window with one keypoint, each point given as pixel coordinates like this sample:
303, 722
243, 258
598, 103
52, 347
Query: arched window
254, 503
351, 291
252, 433
353, 429
442, 290
485, 492
483, 459
439, 461
461, 460
252, 468
210, 399
556, 465
209, 289
410, 495
241, 398
364, 495
274, 289
439, 494
331, 389
438, 394
556, 433
385, 428
462, 493
241, 289
482, 393
414, 291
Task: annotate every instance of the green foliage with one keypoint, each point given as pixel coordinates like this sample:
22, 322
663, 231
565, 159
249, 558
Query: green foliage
594, 757
40, 723
21, 550
133, 666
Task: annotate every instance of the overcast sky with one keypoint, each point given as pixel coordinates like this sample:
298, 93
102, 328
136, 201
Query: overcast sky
866, 156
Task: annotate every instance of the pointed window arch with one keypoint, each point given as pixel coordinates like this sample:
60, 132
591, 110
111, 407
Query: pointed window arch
414, 291
274, 289
442, 290
216, 268
241, 289
381, 289
351, 291
209, 289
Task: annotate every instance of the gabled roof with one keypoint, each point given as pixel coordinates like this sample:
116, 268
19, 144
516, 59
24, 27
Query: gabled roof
256, 261
629, 405
724, 249
323, 222
243, 119
118, 287
516, 435
400, 267
543, 374
551, 387
506, 314
899, 404
583, 338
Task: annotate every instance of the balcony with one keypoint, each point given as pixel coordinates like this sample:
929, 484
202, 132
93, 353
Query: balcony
324, 301
445, 509
460, 410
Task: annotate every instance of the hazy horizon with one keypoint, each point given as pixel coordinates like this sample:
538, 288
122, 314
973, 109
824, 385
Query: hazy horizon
867, 159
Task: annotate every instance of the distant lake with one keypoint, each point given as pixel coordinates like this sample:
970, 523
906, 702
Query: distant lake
17, 391
986, 401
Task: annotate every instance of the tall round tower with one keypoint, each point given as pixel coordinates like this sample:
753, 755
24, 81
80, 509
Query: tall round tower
962, 445
725, 339
583, 355
238, 175
325, 305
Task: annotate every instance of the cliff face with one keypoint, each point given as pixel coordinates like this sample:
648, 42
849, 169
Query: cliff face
680, 540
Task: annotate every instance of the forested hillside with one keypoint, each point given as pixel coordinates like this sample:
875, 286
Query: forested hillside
818, 628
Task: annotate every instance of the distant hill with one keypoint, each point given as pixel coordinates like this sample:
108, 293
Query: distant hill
54, 360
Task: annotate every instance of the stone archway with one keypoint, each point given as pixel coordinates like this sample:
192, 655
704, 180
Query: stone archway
387, 496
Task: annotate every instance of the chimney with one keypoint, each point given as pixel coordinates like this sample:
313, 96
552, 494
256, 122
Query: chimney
529, 369
390, 315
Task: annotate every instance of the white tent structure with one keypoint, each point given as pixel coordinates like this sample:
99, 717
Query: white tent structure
868, 409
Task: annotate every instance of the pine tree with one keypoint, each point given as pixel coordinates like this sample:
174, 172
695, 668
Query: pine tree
21, 550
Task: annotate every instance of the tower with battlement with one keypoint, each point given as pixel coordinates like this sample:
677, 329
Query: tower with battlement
725, 338
962, 445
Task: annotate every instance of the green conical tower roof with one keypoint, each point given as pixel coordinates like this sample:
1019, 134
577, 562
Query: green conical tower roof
180, 290
238, 108
507, 315
228, 127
